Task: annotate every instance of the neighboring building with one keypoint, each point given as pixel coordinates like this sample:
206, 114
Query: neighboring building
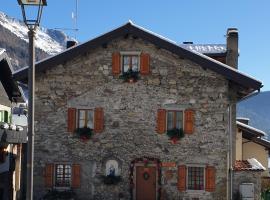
178, 89
251, 148
251, 143
11, 136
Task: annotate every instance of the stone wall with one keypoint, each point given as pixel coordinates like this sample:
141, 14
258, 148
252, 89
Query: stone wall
130, 119
247, 177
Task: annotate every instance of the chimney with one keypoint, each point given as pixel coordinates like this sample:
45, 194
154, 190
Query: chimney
243, 120
232, 48
71, 43
187, 42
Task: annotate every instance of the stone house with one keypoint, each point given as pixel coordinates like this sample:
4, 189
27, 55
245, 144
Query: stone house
133, 115
12, 137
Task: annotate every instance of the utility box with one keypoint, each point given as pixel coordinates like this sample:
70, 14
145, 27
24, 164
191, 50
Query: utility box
246, 191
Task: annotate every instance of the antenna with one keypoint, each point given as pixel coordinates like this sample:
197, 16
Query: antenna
74, 18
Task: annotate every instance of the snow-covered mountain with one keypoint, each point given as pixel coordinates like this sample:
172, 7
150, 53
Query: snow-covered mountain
14, 38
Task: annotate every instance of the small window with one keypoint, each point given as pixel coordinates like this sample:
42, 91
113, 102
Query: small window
62, 175
195, 178
1, 116
174, 119
6, 117
85, 118
130, 62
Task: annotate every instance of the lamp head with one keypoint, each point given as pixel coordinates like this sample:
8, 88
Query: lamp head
32, 2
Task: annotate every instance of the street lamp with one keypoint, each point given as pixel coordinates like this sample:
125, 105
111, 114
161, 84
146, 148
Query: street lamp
31, 20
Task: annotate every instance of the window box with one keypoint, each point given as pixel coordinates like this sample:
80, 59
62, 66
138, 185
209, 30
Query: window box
130, 76
84, 133
175, 134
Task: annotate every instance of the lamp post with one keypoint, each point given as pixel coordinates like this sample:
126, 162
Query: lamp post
31, 21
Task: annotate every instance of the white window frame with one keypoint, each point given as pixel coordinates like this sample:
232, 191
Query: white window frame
78, 116
177, 110
196, 191
54, 177
130, 53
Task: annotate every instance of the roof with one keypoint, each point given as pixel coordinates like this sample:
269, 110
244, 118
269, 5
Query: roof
249, 83
12, 134
207, 49
248, 165
6, 71
253, 134
247, 128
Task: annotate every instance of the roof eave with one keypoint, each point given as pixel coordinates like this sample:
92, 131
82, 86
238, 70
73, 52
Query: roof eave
129, 28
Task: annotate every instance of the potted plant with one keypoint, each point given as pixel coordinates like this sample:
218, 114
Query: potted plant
175, 134
130, 76
84, 133
111, 179
60, 195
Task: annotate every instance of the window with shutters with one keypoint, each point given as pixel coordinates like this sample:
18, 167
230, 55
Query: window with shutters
62, 175
130, 62
195, 178
85, 118
174, 119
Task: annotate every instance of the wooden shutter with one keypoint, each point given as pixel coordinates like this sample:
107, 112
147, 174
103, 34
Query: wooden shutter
99, 120
210, 178
145, 64
189, 121
48, 175
161, 121
182, 171
116, 63
76, 176
71, 119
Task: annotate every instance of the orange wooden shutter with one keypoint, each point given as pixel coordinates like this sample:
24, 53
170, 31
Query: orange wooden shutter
161, 121
182, 170
99, 120
71, 119
145, 64
116, 62
48, 175
210, 178
76, 176
189, 121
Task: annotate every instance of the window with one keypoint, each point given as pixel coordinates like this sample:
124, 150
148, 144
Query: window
6, 117
174, 119
130, 62
85, 118
195, 178
1, 116
62, 175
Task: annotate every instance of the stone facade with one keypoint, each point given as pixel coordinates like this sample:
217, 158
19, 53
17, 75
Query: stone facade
247, 177
130, 111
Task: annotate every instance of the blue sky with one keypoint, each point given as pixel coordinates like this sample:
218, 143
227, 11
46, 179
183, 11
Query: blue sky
200, 21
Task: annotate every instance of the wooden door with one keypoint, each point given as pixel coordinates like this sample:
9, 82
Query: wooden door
146, 183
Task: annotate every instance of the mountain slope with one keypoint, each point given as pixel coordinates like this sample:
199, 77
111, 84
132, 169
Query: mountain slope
14, 38
257, 108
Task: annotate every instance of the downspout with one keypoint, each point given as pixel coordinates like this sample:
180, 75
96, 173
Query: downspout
230, 151
231, 138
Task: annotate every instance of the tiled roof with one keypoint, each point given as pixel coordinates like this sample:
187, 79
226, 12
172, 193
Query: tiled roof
248, 165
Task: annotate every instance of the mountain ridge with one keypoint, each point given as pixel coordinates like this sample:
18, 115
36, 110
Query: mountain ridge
257, 109
14, 38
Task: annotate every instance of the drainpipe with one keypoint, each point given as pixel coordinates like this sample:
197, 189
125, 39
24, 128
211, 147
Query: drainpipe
230, 128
